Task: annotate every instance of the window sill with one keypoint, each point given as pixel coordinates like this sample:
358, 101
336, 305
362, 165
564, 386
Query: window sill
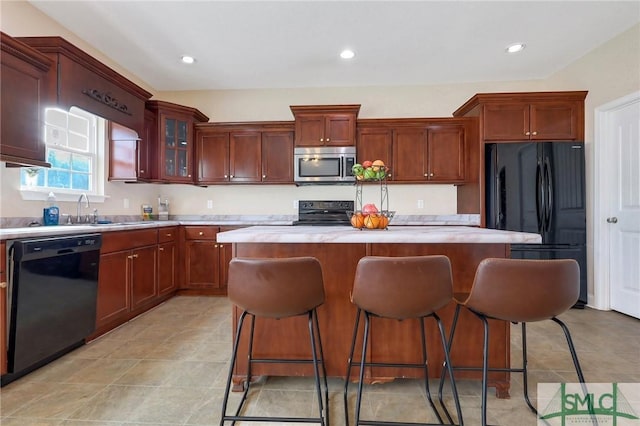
31, 195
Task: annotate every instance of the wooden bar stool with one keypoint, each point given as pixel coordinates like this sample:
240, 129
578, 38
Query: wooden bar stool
278, 288
519, 291
400, 288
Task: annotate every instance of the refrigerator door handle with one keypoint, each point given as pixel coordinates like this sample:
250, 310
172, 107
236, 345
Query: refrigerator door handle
497, 199
540, 198
549, 202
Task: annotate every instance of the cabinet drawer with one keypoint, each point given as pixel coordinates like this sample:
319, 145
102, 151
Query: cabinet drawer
200, 232
127, 240
167, 234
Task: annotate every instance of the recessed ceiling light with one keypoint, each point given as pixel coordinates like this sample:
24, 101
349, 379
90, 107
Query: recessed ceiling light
347, 54
188, 59
515, 48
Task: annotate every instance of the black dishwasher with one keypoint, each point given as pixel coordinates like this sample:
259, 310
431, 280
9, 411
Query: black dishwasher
53, 286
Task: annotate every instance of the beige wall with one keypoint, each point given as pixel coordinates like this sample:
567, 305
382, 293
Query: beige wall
608, 72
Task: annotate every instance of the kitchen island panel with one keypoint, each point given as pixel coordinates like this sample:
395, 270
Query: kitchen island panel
290, 337
390, 340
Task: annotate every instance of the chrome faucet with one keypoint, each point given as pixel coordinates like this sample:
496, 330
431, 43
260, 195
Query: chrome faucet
87, 205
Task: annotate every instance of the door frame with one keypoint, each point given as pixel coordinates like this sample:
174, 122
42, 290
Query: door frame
602, 181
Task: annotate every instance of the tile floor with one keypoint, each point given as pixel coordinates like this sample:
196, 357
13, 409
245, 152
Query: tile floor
168, 367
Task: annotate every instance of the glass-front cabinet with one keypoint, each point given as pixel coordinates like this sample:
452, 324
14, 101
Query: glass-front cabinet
174, 149
177, 161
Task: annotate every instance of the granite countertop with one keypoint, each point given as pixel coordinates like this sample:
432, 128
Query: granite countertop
395, 234
10, 230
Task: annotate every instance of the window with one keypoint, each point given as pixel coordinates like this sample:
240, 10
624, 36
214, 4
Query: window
74, 142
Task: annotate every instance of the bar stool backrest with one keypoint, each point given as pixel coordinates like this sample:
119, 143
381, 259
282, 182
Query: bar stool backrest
520, 290
276, 288
402, 287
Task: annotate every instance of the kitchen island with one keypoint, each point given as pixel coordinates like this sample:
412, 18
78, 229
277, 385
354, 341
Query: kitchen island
338, 248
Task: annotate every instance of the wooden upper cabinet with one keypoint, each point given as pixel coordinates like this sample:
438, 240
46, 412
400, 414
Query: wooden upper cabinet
418, 150
174, 145
245, 156
78, 79
410, 154
212, 157
244, 153
277, 157
542, 116
374, 144
23, 97
325, 125
446, 154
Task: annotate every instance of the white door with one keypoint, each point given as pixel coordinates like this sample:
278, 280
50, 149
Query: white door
623, 219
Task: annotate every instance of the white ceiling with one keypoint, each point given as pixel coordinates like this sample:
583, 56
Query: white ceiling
288, 44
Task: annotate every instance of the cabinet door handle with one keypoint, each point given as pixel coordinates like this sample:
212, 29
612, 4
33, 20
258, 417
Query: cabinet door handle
168, 235
215, 246
534, 133
426, 175
141, 171
160, 248
188, 175
321, 139
264, 176
430, 174
130, 256
231, 176
200, 233
612, 220
3, 284
225, 176
328, 139
527, 133
221, 246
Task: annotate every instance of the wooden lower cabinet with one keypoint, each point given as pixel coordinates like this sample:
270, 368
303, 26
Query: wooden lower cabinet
201, 258
3, 308
142, 265
167, 260
206, 262
137, 271
113, 289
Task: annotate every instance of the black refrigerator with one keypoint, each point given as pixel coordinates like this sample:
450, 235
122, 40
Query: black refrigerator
539, 187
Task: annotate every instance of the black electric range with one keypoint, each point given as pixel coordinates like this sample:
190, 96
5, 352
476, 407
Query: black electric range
323, 213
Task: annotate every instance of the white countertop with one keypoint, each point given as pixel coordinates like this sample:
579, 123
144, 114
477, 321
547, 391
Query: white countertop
11, 232
395, 234
54, 231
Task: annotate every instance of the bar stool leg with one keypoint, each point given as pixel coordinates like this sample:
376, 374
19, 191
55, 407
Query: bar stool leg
349, 364
485, 368
572, 349
454, 389
525, 371
447, 367
313, 326
426, 370
234, 356
365, 339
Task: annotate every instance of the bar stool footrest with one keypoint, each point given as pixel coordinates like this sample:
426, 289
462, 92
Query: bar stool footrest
272, 419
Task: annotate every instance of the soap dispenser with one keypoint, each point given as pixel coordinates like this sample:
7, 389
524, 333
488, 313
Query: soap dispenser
51, 213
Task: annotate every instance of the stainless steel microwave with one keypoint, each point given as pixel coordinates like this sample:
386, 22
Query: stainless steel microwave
324, 164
